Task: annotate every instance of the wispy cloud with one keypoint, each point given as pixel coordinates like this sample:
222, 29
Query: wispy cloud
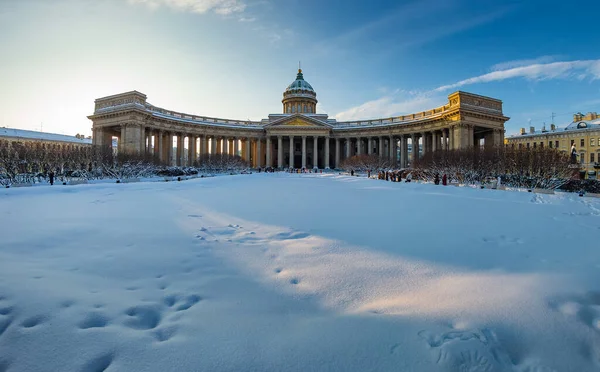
224, 7
523, 62
403, 102
538, 71
393, 104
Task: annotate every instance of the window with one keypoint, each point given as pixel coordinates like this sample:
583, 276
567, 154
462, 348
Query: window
592, 157
520, 145
535, 145
527, 144
582, 142
557, 146
541, 145
592, 142
550, 144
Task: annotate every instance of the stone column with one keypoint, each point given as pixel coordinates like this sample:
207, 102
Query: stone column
393, 150
158, 149
121, 147
451, 138
434, 141
326, 152
415, 148
203, 146
303, 151
236, 146
381, 147
401, 151
279, 152
269, 152
291, 151
170, 139
248, 147
316, 152
179, 154
370, 145
359, 146
337, 153
259, 152
348, 145
191, 150
147, 143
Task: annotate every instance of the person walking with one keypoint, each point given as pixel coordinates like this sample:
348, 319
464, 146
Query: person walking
436, 180
51, 177
444, 180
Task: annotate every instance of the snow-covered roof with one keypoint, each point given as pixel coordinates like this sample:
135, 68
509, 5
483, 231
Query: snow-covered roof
43, 136
574, 126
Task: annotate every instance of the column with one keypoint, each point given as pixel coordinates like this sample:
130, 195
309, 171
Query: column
179, 154
316, 152
122, 139
337, 153
326, 152
220, 146
291, 151
424, 143
170, 139
191, 150
269, 150
401, 151
279, 152
451, 138
248, 146
142, 148
359, 146
434, 141
303, 151
370, 145
158, 147
348, 145
444, 141
381, 147
393, 150
203, 146
258, 153
415, 148
147, 146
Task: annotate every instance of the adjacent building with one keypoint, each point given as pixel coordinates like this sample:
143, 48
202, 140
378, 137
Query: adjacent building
46, 139
297, 137
583, 132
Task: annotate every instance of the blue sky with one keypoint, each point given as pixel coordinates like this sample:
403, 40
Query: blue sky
234, 58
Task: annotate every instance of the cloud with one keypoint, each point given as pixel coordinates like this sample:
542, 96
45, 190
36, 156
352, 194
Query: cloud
387, 106
538, 71
247, 19
522, 62
223, 7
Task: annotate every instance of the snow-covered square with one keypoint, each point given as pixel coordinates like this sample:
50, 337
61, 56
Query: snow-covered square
297, 272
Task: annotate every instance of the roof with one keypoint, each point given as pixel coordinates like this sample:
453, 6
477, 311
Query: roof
574, 126
299, 84
42, 136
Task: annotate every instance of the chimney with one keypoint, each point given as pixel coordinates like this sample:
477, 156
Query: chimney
578, 117
552, 127
522, 131
531, 130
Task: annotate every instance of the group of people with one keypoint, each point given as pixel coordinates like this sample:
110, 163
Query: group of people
393, 176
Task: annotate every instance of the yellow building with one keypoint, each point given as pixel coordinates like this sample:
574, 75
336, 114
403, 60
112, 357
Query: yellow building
583, 132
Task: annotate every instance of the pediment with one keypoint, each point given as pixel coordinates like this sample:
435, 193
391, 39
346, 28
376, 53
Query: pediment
298, 121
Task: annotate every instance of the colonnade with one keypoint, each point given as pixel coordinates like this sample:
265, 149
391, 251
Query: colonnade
302, 150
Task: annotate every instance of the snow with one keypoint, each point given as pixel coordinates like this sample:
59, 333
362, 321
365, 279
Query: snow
30, 134
280, 272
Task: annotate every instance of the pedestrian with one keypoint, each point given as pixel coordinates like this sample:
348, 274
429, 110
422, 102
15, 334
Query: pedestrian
368, 173
444, 180
352, 172
51, 177
436, 180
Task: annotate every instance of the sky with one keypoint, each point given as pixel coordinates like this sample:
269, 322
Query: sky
234, 58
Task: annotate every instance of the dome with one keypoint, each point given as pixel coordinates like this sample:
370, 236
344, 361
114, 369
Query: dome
299, 85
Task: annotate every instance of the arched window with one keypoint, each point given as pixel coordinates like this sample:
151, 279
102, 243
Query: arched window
305, 108
299, 108
293, 108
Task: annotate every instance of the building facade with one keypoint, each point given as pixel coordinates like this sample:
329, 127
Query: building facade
583, 132
299, 137
47, 140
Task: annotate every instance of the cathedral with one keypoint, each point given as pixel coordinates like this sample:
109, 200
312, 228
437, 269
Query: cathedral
298, 137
